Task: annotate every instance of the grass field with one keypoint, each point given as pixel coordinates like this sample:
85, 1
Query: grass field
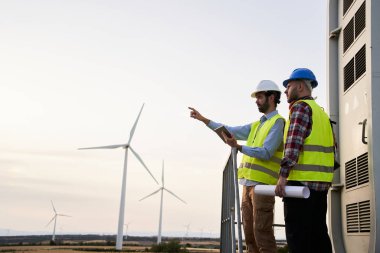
71, 247
84, 249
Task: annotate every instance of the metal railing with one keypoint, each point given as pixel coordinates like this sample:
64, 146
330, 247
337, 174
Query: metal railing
230, 218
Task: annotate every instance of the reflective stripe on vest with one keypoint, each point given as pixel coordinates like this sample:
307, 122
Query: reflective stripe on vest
316, 159
255, 169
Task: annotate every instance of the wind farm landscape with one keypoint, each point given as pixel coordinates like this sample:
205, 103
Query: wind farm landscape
97, 147
107, 243
123, 242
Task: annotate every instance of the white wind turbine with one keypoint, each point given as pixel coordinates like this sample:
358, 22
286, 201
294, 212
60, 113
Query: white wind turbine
55, 217
127, 146
187, 231
201, 234
126, 230
162, 188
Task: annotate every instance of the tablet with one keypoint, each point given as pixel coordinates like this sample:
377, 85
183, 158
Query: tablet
223, 129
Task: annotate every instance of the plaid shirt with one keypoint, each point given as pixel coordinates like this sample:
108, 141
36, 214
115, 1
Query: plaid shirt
299, 129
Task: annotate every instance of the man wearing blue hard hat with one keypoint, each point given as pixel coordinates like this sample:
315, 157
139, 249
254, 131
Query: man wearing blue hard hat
308, 161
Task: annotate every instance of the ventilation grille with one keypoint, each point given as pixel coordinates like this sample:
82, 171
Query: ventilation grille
348, 35
349, 74
360, 65
364, 216
362, 162
352, 217
357, 171
360, 20
351, 174
346, 5
358, 217
355, 68
354, 28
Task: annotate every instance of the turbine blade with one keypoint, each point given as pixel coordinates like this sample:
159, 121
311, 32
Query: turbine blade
106, 147
143, 164
174, 195
64, 215
134, 126
53, 206
51, 220
150, 194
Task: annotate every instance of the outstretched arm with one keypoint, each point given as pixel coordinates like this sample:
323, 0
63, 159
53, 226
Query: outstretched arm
239, 132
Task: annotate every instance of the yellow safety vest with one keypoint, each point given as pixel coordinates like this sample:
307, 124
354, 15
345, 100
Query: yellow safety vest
254, 169
316, 159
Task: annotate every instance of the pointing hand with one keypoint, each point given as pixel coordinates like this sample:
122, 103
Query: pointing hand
196, 115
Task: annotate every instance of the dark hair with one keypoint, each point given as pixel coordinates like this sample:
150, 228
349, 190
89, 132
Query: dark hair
277, 96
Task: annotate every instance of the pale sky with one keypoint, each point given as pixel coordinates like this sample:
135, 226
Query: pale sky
75, 74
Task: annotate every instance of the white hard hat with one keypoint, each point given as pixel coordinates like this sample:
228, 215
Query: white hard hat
265, 85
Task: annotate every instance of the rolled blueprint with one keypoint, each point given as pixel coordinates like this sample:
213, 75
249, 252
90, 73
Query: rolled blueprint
290, 191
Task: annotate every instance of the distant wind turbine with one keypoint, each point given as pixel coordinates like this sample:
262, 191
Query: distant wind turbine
55, 217
187, 231
201, 233
162, 188
127, 146
126, 230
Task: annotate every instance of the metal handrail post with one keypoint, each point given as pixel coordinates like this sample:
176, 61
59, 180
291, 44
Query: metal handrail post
237, 198
232, 227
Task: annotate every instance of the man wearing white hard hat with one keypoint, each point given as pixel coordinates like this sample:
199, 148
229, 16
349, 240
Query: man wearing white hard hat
260, 164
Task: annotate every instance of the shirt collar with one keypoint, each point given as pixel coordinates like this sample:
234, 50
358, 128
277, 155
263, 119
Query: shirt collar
303, 98
268, 116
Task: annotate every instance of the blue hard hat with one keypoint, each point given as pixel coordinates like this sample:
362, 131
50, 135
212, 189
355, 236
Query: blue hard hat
302, 73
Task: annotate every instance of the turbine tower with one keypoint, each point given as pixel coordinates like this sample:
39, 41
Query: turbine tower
126, 230
187, 231
162, 188
55, 220
127, 146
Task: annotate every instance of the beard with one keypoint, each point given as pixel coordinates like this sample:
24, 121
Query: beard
264, 107
292, 96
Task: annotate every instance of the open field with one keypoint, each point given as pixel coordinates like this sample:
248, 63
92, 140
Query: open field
84, 249
98, 243
104, 243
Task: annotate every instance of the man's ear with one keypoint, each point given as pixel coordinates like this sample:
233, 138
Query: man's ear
300, 86
272, 97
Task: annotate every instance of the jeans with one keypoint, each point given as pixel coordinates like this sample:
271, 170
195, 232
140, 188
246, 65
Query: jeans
305, 224
257, 215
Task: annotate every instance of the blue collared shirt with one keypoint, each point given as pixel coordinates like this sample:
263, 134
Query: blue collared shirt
271, 143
